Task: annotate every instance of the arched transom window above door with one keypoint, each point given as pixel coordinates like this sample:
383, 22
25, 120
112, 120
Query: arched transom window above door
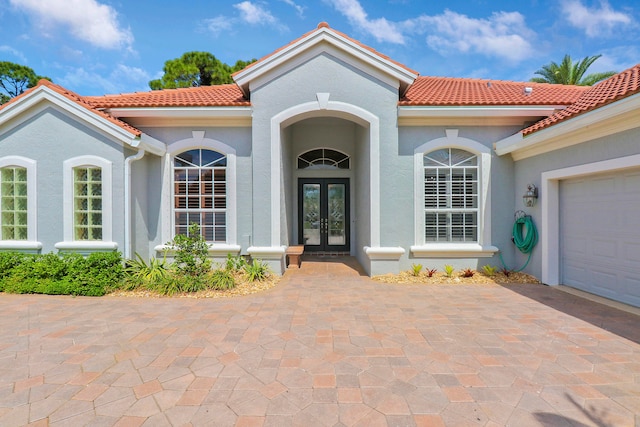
324, 158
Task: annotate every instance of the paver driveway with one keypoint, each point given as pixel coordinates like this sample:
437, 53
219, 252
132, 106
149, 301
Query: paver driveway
325, 347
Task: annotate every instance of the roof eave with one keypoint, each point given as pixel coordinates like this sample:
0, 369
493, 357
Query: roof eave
478, 110
586, 126
44, 93
181, 112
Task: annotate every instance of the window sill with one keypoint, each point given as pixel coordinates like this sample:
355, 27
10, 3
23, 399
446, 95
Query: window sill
20, 245
388, 253
453, 250
86, 246
215, 250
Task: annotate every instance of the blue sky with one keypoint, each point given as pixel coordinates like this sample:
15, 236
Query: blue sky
95, 47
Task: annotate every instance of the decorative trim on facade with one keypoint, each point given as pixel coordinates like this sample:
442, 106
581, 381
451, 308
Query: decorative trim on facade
386, 253
453, 250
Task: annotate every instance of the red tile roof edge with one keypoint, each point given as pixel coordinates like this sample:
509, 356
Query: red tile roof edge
456, 91
615, 88
74, 97
225, 95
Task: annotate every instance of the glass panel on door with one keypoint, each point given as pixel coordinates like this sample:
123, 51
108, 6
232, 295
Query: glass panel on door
311, 214
336, 214
324, 214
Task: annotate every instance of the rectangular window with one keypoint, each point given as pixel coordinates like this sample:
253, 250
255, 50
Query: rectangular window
13, 203
87, 203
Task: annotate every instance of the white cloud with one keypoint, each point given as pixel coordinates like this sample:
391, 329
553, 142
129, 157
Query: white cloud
503, 35
249, 13
14, 52
253, 13
119, 80
381, 29
594, 21
299, 9
218, 25
86, 20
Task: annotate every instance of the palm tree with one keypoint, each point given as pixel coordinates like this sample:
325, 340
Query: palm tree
571, 73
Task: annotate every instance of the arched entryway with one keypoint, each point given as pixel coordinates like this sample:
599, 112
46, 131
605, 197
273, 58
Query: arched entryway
342, 128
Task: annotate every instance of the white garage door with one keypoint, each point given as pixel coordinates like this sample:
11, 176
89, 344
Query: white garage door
600, 235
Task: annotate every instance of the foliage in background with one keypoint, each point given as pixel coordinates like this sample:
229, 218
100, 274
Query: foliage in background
15, 79
195, 69
571, 73
67, 274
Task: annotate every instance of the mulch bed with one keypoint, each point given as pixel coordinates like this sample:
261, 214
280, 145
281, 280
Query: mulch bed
243, 287
439, 278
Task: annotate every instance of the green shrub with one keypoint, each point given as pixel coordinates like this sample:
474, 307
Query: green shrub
96, 274
191, 252
235, 263
69, 274
256, 270
221, 279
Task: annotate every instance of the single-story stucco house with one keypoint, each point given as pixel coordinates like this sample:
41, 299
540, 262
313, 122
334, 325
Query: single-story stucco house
329, 144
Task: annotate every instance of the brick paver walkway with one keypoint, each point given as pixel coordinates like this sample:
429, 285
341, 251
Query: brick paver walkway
326, 347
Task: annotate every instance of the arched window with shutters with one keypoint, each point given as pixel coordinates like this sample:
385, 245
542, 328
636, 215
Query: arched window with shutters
451, 196
200, 193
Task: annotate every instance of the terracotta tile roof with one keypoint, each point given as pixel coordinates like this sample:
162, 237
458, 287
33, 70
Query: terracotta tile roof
341, 34
72, 96
448, 91
228, 95
617, 87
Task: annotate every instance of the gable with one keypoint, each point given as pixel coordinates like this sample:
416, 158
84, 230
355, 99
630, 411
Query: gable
324, 40
48, 95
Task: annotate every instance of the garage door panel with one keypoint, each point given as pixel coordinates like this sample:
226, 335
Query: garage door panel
631, 253
604, 248
577, 246
600, 234
632, 288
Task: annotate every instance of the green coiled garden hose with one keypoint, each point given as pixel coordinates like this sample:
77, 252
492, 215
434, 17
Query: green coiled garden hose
525, 237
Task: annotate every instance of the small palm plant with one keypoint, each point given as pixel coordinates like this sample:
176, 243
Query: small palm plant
146, 274
416, 269
489, 270
448, 270
430, 272
256, 270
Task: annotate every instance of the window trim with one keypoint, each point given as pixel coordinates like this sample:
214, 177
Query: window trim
481, 248
32, 204
69, 242
198, 140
